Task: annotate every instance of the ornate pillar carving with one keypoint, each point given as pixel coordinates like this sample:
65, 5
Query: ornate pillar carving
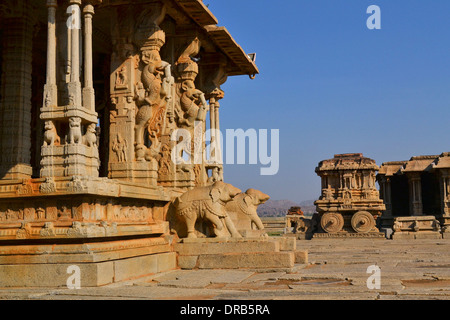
70, 140
190, 111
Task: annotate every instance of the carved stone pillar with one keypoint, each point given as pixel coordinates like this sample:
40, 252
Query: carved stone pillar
141, 93
385, 193
50, 89
445, 192
388, 195
88, 90
74, 31
415, 194
16, 90
445, 202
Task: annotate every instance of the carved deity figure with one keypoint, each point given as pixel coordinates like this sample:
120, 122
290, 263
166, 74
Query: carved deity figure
165, 160
121, 77
120, 148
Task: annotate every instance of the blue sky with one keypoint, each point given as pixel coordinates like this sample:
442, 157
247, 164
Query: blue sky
331, 85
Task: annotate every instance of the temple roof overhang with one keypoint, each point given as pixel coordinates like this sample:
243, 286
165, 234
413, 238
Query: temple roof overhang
200, 13
223, 39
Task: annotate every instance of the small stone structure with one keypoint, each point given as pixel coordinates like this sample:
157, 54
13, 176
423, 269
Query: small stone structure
424, 227
416, 193
350, 203
298, 225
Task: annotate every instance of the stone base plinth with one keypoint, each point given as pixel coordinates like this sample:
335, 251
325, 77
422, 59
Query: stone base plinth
69, 160
144, 172
416, 235
109, 230
99, 263
419, 227
340, 235
232, 253
252, 233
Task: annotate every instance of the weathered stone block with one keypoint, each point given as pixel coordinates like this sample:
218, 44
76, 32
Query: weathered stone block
205, 248
301, 256
247, 261
55, 275
142, 266
288, 243
187, 262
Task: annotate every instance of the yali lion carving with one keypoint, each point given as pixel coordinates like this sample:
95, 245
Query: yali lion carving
243, 209
207, 203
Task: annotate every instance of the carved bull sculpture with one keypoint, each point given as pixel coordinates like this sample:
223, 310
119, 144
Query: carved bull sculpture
207, 203
243, 209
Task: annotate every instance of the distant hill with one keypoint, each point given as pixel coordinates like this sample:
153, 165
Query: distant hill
279, 208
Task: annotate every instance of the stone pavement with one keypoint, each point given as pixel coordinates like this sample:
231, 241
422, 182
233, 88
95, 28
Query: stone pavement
337, 269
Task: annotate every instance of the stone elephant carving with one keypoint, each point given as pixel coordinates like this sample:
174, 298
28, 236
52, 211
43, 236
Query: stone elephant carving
207, 203
243, 209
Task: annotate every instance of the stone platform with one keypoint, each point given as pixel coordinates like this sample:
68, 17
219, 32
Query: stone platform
240, 253
100, 263
337, 270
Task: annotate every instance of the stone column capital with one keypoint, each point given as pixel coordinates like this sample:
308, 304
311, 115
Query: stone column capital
52, 3
88, 9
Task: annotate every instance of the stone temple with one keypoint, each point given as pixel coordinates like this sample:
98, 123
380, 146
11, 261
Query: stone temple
417, 196
92, 94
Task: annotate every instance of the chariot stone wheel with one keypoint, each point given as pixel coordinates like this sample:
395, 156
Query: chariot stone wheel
363, 222
332, 222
